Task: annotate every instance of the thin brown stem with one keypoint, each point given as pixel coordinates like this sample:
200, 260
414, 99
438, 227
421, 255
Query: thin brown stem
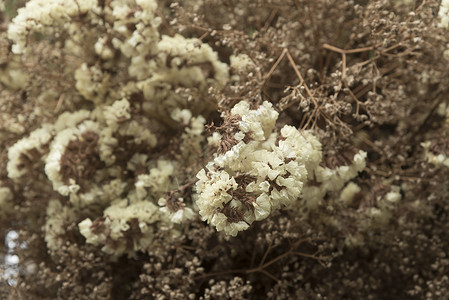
350, 51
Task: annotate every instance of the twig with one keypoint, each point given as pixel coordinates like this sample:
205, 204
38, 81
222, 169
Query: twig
270, 19
357, 101
317, 108
183, 187
372, 145
351, 51
203, 35
266, 254
263, 265
59, 104
278, 61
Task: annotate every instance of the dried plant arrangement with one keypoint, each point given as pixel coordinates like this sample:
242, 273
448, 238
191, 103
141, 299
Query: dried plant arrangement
209, 149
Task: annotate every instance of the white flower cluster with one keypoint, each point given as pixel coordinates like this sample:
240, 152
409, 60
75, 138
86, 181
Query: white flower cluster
385, 205
97, 158
82, 157
326, 179
136, 28
179, 63
437, 159
59, 147
192, 137
44, 16
348, 193
124, 33
6, 201
130, 223
93, 84
59, 217
79, 151
379, 214
129, 28
159, 64
443, 110
179, 212
157, 182
38, 140
443, 13
435, 152
12, 75
334, 179
264, 171
125, 227
241, 64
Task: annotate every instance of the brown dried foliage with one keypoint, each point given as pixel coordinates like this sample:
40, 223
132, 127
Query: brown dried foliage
362, 74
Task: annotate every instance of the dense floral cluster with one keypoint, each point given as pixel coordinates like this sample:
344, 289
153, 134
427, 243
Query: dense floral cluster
224, 149
92, 155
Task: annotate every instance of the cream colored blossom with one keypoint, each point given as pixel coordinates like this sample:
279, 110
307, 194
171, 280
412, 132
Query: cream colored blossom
102, 49
118, 112
58, 148
137, 221
192, 137
6, 201
334, 179
382, 214
180, 215
437, 159
92, 83
157, 181
347, 194
215, 190
443, 13
44, 16
241, 62
258, 175
37, 140
59, 217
